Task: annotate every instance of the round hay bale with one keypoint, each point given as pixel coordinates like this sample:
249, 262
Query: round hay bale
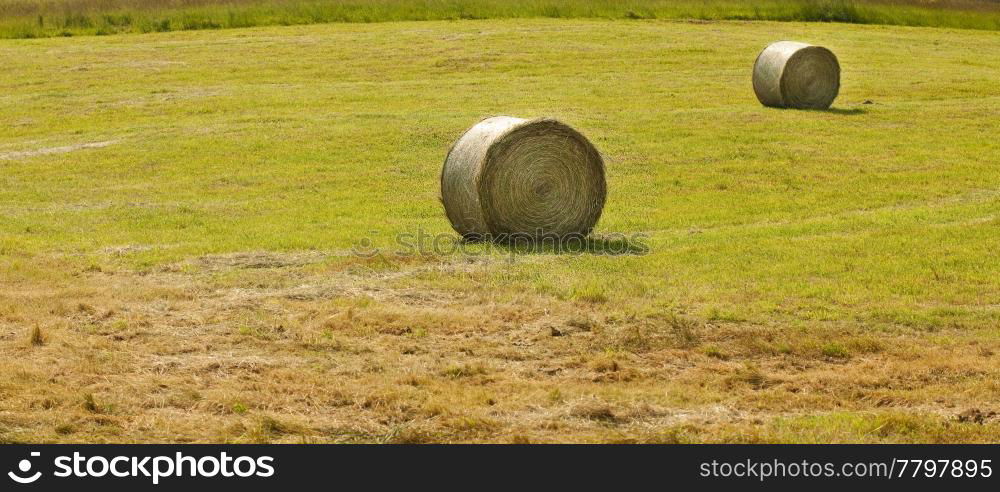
789, 74
513, 177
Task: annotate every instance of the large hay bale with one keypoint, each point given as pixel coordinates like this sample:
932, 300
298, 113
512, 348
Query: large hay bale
789, 74
513, 177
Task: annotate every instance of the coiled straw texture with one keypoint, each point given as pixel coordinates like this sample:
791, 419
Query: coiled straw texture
513, 177
789, 74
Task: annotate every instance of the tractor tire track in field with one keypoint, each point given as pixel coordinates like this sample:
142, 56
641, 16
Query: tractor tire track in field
64, 149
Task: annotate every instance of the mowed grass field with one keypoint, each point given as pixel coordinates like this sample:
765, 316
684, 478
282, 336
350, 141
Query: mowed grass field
179, 212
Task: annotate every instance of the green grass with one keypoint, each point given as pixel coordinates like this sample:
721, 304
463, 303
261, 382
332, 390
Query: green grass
45, 18
317, 137
858, 243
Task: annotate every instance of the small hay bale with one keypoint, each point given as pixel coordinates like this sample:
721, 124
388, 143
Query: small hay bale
789, 74
513, 177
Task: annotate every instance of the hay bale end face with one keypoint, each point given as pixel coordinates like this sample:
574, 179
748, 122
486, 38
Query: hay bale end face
513, 177
789, 74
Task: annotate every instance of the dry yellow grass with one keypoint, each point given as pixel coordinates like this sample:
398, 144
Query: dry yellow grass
263, 347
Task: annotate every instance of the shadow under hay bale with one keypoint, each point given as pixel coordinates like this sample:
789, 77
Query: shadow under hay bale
611, 245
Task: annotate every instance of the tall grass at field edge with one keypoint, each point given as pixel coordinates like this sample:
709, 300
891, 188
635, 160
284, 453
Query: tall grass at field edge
48, 18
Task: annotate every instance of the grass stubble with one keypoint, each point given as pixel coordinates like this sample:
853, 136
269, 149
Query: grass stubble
302, 348
812, 276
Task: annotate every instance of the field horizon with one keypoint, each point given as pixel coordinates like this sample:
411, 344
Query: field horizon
26, 19
191, 219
